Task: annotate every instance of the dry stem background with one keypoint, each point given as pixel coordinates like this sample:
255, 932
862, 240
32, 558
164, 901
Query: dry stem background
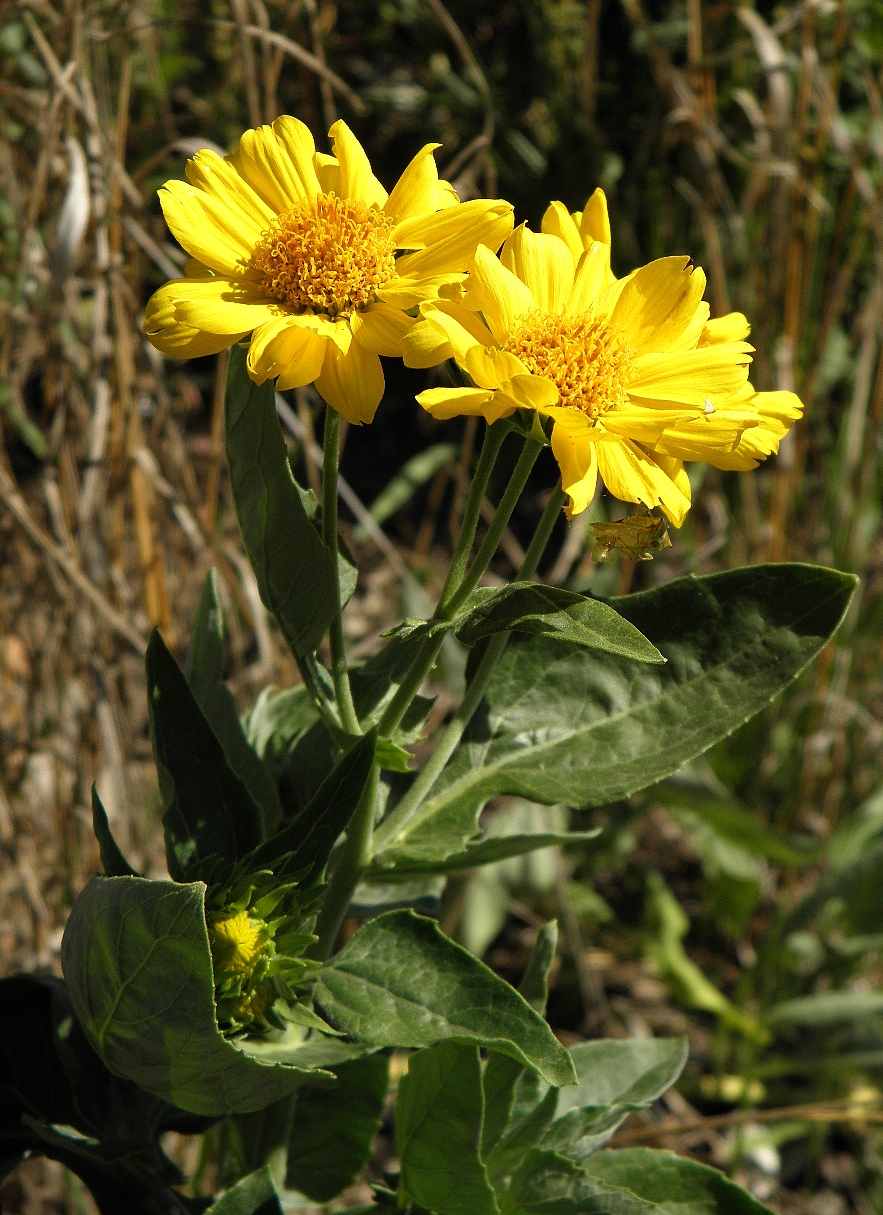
752, 136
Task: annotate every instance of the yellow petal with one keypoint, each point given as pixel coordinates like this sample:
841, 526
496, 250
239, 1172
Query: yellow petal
544, 264
206, 230
356, 178
444, 331
500, 294
633, 476
277, 161
675, 471
645, 424
592, 274
351, 383
409, 292
578, 462
532, 391
694, 377
219, 178
447, 195
711, 438
451, 236
217, 305
658, 303
382, 329
489, 367
445, 403
416, 191
286, 350
733, 327
557, 221
338, 331
595, 220
176, 339
327, 173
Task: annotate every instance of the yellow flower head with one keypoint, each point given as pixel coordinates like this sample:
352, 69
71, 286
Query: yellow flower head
310, 255
632, 372
237, 942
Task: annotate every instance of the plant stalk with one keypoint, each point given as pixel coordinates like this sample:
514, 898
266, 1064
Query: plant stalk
355, 856
453, 733
340, 677
452, 598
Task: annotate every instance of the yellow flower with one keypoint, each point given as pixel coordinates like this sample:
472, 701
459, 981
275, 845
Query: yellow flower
310, 255
237, 942
634, 376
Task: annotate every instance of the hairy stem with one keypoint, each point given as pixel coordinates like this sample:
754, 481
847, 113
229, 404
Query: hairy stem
354, 858
330, 459
453, 732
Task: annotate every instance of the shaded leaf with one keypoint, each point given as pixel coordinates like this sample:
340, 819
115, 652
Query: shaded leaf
136, 959
295, 572
113, 862
439, 1110
208, 810
825, 1009
252, 1195
334, 1128
672, 1184
400, 982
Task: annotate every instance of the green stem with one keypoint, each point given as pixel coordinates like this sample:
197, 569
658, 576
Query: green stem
330, 459
354, 858
451, 599
453, 733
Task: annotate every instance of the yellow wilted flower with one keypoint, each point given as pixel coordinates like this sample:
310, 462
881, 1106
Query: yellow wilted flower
632, 372
310, 255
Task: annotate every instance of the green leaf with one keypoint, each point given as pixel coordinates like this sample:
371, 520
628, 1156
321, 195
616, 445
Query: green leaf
113, 862
672, 1184
562, 724
439, 1111
137, 962
630, 1074
253, 1195
347, 571
334, 1128
502, 1073
400, 982
208, 810
548, 1184
528, 607
306, 842
526, 1128
295, 573
204, 670
483, 852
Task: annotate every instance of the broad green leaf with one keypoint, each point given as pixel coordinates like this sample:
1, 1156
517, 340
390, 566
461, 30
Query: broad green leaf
414, 473
294, 570
208, 810
630, 1074
615, 1078
525, 1131
672, 1184
137, 962
400, 982
564, 724
528, 607
334, 1128
733, 876
501, 1073
376, 681
113, 862
825, 1010
253, 1195
306, 842
204, 670
549, 1184
286, 730
439, 1111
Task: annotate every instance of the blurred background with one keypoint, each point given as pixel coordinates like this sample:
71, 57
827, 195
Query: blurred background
741, 903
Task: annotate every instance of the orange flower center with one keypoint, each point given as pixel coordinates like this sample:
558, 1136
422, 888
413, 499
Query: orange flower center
584, 356
327, 254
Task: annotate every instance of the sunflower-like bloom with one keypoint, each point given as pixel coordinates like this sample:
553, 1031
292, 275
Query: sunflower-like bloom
310, 255
632, 372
